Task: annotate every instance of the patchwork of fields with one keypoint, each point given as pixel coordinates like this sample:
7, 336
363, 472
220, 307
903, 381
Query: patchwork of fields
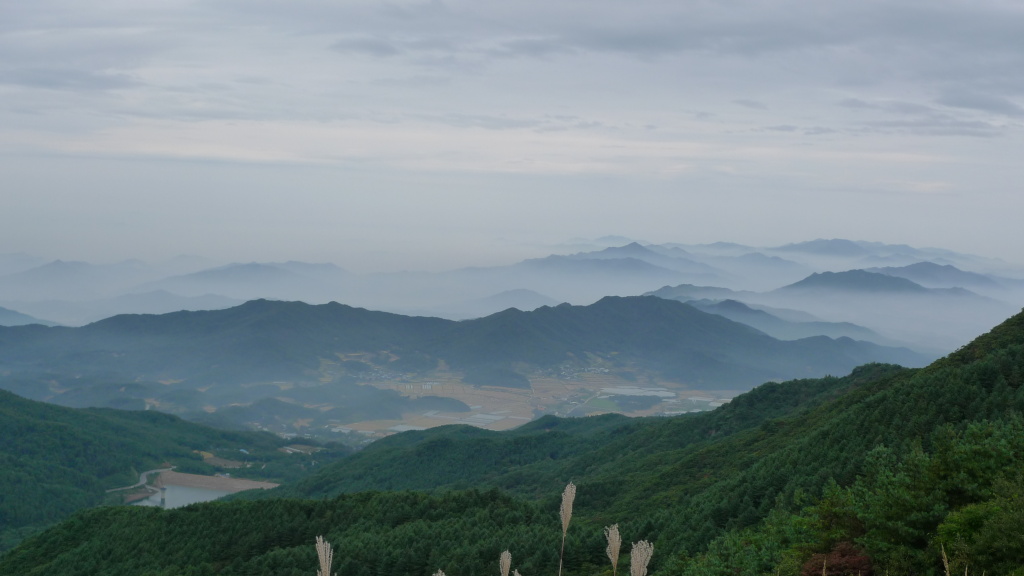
500, 408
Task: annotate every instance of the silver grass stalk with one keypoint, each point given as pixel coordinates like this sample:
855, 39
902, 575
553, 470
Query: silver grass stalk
516, 573
638, 559
326, 555
565, 512
439, 573
505, 562
611, 533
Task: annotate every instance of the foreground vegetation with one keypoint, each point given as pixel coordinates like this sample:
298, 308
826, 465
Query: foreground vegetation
885, 471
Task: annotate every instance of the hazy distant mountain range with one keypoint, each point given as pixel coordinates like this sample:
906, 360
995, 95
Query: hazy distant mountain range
777, 327
187, 360
269, 345
12, 318
893, 291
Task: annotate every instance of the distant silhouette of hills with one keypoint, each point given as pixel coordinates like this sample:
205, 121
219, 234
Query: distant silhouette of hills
855, 281
77, 293
258, 280
822, 247
14, 318
73, 280
519, 298
685, 292
575, 265
934, 275
262, 340
784, 329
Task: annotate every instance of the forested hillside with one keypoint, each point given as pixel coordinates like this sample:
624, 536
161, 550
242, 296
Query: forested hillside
56, 460
879, 472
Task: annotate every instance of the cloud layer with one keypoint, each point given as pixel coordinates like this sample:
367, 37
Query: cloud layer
770, 97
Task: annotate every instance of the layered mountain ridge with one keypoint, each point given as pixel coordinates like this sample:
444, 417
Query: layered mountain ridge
266, 340
888, 469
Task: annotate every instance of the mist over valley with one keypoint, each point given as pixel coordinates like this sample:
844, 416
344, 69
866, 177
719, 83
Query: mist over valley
312, 349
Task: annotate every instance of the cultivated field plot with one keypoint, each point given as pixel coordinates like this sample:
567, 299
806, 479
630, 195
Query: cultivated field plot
581, 394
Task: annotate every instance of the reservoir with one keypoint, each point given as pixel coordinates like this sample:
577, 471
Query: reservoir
178, 496
183, 489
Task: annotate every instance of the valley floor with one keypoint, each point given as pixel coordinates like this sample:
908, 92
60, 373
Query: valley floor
579, 394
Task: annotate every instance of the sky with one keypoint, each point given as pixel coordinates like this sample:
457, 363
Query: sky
429, 135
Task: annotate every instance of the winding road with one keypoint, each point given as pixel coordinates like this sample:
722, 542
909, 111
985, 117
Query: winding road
142, 479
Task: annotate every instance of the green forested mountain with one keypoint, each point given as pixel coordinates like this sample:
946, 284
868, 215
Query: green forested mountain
879, 472
56, 460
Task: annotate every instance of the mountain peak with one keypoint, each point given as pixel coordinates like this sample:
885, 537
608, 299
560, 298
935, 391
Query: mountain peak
856, 281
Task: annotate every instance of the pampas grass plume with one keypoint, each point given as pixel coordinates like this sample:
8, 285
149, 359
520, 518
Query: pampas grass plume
638, 559
566, 511
505, 562
326, 556
611, 533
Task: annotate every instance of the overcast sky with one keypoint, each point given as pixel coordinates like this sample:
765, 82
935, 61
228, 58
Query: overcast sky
437, 134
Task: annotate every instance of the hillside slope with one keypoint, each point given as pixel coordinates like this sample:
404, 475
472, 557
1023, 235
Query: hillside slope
56, 460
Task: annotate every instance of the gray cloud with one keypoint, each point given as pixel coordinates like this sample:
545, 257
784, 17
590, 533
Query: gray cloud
921, 119
369, 46
531, 47
651, 94
793, 129
982, 102
484, 121
66, 79
752, 104
937, 125
781, 128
